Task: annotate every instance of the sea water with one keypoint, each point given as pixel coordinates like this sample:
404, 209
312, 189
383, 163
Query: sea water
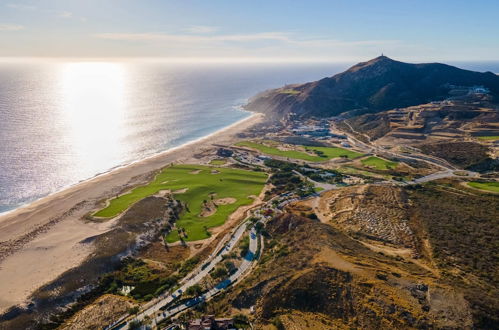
62, 122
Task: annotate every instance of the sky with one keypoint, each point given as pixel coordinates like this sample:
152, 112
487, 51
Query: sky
252, 30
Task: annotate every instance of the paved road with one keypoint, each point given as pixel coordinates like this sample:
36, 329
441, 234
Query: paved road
371, 148
245, 265
323, 185
154, 308
442, 175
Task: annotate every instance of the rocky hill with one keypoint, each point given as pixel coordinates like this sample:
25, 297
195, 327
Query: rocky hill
377, 85
407, 264
316, 277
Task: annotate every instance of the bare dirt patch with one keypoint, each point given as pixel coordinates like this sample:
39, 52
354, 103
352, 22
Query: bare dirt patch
160, 253
378, 212
195, 172
330, 257
207, 209
103, 311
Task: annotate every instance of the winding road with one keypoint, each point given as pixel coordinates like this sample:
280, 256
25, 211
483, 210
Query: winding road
155, 309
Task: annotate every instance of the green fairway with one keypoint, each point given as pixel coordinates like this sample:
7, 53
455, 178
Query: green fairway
489, 186
218, 162
378, 163
356, 171
201, 183
488, 138
327, 152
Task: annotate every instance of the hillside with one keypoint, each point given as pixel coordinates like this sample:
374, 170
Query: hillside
459, 131
377, 85
394, 267
439, 121
316, 277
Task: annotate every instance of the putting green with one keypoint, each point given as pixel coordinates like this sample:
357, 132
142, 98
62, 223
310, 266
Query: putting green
489, 186
378, 163
328, 152
201, 182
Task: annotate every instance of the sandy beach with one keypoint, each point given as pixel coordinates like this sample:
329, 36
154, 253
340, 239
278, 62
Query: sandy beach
40, 241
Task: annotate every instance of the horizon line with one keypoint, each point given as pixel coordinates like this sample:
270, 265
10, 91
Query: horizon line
273, 60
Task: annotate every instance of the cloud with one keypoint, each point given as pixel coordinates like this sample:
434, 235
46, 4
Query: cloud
20, 6
64, 14
263, 36
188, 38
58, 13
201, 29
284, 45
11, 27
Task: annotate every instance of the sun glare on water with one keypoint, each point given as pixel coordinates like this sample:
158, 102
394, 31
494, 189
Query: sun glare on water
93, 103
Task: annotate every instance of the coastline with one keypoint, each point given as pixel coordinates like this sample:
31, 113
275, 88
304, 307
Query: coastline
41, 240
117, 167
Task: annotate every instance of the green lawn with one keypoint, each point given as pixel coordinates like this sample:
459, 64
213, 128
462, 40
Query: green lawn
328, 152
318, 189
218, 162
488, 138
235, 183
378, 163
489, 186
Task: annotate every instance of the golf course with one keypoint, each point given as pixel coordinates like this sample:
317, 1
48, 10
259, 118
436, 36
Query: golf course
313, 154
211, 195
378, 163
489, 138
489, 186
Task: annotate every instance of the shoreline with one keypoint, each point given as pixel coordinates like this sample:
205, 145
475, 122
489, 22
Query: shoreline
117, 167
19, 208
41, 240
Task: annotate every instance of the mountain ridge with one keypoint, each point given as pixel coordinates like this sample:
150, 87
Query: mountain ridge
376, 85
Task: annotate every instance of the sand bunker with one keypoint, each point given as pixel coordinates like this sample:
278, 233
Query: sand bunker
162, 193
165, 182
225, 201
180, 191
214, 172
195, 172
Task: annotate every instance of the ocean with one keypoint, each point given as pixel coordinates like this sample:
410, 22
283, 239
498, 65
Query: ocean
65, 122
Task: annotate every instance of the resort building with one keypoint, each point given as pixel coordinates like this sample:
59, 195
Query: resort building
209, 322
